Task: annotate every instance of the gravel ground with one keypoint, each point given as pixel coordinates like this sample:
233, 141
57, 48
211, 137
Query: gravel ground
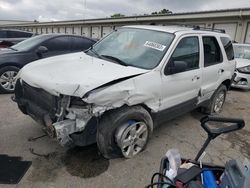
83, 167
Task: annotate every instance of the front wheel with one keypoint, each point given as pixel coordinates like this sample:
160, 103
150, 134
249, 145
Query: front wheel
8, 79
124, 132
217, 101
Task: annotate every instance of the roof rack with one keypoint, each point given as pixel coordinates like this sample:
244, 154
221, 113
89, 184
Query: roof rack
196, 27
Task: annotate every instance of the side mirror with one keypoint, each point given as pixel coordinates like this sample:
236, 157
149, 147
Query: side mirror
176, 67
41, 50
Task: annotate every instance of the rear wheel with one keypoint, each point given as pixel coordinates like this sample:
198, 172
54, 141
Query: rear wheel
8, 79
217, 101
124, 132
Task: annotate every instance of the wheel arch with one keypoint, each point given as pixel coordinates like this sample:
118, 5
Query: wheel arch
10, 64
227, 83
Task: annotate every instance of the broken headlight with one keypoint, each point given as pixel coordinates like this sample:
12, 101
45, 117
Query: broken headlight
244, 69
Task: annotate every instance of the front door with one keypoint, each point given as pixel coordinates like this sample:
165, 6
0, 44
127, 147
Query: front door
181, 90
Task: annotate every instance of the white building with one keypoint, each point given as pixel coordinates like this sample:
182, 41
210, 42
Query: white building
236, 22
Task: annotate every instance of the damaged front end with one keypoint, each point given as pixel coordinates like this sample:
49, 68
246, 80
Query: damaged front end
62, 116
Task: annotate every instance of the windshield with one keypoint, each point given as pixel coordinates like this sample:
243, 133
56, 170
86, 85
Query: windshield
135, 47
242, 51
28, 44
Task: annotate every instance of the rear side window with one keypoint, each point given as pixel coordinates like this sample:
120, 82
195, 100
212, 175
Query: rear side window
212, 51
3, 34
79, 43
58, 44
188, 51
228, 46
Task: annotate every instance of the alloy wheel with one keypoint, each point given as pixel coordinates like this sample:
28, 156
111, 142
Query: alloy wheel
132, 138
219, 101
8, 80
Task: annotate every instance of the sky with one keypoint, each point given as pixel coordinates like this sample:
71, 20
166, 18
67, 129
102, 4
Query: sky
55, 10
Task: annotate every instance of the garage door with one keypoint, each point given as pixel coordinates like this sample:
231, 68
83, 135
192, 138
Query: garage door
61, 29
86, 31
247, 39
230, 28
38, 30
95, 33
44, 30
55, 29
49, 30
106, 30
77, 30
69, 30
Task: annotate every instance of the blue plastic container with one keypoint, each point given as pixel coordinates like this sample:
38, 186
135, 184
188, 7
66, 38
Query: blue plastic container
209, 179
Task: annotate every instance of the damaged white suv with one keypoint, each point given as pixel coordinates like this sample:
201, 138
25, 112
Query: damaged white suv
119, 90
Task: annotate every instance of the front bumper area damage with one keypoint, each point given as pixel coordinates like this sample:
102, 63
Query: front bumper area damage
75, 121
59, 117
242, 81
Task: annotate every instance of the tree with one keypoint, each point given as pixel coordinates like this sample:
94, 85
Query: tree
117, 15
163, 11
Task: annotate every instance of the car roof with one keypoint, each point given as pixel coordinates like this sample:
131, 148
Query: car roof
17, 30
178, 29
52, 35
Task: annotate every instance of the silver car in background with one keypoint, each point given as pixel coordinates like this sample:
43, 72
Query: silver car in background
242, 56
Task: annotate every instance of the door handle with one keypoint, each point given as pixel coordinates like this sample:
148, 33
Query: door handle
195, 78
221, 71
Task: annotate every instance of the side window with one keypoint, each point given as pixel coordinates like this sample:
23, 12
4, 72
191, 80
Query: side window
18, 34
212, 51
187, 51
58, 44
3, 34
228, 46
81, 44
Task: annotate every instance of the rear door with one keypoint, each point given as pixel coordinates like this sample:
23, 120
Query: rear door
57, 46
180, 90
213, 69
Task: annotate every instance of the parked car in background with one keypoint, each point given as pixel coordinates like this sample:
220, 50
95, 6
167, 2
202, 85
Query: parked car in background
42, 46
9, 37
119, 90
242, 55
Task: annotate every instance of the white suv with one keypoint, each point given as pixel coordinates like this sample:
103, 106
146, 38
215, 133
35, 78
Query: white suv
119, 90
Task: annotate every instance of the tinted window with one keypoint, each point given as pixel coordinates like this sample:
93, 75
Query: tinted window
212, 51
58, 44
228, 47
188, 51
81, 43
3, 34
18, 34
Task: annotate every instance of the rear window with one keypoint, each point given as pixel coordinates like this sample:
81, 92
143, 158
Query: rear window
228, 46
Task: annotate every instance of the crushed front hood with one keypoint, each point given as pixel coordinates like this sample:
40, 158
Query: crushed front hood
74, 74
240, 62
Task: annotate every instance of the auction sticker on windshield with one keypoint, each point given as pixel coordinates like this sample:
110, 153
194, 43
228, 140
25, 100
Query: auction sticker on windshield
154, 45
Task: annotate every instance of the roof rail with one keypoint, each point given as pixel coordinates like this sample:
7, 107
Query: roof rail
196, 27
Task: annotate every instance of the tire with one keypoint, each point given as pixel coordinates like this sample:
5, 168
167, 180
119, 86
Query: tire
114, 124
7, 75
220, 93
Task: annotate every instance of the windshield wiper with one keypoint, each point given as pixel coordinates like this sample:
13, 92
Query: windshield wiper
115, 59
